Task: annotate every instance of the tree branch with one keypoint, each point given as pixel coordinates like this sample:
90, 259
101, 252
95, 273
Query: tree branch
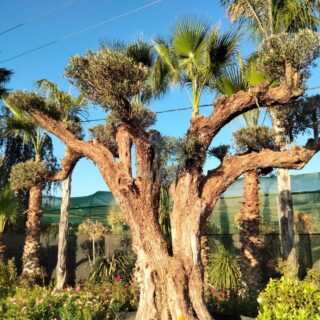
226, 109
68, 163
218, 180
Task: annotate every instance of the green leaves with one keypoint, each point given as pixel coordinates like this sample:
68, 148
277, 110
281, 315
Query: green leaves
290, 299
8, 207
107, 78
27, 174
196, 54
223, 269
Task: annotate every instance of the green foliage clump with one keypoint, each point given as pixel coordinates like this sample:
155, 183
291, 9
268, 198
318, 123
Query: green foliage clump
106, 77
287, 299
299, 50
8, 273
219, 152
26, 100
223, 270
104, 301
27, 174
254, 138
120, 264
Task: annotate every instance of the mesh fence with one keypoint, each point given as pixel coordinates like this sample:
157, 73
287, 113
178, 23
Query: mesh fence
305, 193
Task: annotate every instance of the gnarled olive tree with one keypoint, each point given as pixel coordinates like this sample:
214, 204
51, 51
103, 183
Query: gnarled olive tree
171, 284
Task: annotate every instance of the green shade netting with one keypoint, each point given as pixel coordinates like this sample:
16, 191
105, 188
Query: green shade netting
305, 194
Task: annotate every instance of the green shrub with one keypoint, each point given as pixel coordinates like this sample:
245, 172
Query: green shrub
288, 299
223, 269
84, 302
119, 263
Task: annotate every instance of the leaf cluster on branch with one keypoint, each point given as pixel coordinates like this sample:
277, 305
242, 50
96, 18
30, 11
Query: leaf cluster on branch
299, 50
27, 174
108, 78
254, 138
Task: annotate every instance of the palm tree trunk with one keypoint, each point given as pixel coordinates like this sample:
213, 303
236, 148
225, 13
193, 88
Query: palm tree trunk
250, 237
31, 271
285, 209
63, 233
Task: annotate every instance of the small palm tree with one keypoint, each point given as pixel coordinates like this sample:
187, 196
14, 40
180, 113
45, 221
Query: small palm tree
195, 55
8, 214
18, 124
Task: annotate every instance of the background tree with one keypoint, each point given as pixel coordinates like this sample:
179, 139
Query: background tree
70, 108
251, 138
195, 55
29, 175
285, 31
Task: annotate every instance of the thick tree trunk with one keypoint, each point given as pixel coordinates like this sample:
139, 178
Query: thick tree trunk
2, 247
250, 237
171, 286
285, 209
31, 271
63, 234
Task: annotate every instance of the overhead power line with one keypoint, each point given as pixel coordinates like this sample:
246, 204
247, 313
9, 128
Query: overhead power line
71, 35
19, 25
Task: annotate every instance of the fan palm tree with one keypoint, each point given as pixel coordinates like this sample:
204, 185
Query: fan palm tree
195, 55
18, 125
70, 108
235, 79
8, 214
265, 19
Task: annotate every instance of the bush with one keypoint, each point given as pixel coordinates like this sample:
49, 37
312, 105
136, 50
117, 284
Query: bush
86, 302
223, 269
287, 299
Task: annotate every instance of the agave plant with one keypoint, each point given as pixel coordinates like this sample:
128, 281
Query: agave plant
117, 266
223, 269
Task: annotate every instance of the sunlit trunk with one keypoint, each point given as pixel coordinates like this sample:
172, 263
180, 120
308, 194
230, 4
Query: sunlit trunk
250, 237
31, 271
63, 234
285, 208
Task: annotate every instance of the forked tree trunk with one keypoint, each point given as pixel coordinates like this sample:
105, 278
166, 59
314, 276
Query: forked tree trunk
31, 271
171, 287
2, 247
250, 237
63, 234
285, 207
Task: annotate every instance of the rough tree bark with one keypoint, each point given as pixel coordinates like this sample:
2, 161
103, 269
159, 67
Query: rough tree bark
63, 234
250, 237
285, 206
171, 285
31, 270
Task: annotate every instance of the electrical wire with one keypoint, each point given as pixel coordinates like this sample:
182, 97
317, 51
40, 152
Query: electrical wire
37, 17
71, 35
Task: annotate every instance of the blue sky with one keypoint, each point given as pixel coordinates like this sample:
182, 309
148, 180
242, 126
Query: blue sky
50, 62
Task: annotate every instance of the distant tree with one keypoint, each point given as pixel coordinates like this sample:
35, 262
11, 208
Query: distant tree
195, 55
29, 175
70, 108
252, 138
288, 42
